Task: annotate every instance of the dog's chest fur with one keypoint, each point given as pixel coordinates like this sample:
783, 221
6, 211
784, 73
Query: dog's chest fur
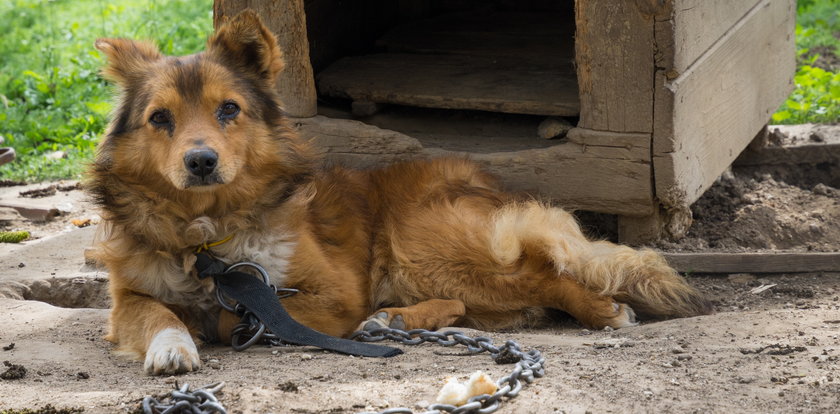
271, 250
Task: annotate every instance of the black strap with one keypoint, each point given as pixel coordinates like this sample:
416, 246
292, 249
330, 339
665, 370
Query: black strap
260, 299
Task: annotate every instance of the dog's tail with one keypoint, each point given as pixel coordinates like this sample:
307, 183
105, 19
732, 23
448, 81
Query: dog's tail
640, 278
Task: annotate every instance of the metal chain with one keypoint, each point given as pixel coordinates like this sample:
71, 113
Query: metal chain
529, 365
200, 401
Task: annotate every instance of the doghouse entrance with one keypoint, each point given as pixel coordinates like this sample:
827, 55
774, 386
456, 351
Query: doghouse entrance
510, 57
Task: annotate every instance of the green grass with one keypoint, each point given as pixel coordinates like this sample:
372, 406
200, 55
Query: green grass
816, 97
51, 94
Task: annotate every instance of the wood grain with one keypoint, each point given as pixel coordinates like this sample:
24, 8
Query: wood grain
708, 114
453, 82
700, 23
578, 174
754, 262
614, 52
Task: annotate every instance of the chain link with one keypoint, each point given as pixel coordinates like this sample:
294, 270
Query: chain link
529, 365
200, 401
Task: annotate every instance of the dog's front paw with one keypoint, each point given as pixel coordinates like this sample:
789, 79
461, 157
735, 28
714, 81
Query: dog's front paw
382, 319
172, 351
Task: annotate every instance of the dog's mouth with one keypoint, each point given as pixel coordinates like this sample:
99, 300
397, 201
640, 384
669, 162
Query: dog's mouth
203, 182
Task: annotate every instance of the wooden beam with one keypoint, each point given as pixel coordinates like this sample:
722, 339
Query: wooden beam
754, 262
595, 171
614, 46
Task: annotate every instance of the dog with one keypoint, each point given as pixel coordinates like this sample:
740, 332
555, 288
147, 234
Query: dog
199, 153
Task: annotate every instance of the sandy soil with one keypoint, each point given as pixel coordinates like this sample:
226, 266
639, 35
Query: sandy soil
772, 351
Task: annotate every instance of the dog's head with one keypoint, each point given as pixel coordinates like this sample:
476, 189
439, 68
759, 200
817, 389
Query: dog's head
202, 122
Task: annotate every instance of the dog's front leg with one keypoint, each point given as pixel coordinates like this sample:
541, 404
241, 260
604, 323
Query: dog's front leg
142, 326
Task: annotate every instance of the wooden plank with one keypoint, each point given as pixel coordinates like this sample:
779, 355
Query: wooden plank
708, 114
286, 18
614, 46
453, 82
754, 262
700, 23
603, 178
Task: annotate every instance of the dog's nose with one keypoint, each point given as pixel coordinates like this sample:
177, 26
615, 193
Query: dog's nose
201, 161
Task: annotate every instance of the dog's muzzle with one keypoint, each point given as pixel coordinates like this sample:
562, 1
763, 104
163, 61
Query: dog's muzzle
202, 163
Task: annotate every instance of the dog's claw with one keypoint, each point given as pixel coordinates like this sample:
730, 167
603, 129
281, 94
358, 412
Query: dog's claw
382, 320
626, 316
397, 323
372, 324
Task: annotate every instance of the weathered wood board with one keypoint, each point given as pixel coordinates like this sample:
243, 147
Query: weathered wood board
592, 171
754, 262
453, 82
700, 23
614, 51
708, 113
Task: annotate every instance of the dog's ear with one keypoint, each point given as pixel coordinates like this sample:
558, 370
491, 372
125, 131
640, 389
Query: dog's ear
245, 44
125, 57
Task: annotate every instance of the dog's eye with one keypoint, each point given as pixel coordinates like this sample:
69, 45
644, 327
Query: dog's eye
228, 111
160, 118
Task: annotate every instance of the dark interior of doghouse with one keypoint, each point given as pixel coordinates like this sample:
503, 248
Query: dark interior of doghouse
464, 75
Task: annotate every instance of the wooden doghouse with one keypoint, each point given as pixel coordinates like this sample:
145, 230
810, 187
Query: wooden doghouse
667, 93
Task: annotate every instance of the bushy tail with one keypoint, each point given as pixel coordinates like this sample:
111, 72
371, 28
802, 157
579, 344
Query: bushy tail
640, 278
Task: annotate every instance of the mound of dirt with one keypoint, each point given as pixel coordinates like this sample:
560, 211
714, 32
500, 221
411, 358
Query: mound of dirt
745, 213
788, 204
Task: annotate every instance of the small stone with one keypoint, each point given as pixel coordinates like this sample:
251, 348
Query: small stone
552, 128
822, 189
214, 364
741, 278
817, 136
305, 357
288, 386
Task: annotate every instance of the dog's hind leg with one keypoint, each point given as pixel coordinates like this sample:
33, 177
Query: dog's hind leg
431, 314
641, 278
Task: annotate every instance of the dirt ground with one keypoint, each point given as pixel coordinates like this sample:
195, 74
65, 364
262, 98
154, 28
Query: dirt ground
766, 349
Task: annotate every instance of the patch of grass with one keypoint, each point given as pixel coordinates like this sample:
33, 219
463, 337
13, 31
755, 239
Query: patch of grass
816, 97
52, 98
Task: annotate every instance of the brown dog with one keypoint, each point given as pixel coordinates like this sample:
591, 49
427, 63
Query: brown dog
198, 151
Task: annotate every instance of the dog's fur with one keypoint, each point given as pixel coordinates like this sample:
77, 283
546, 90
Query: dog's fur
421, 244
